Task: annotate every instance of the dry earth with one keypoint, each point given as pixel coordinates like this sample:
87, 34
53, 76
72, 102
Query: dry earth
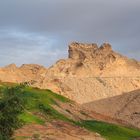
56, 130
125, 107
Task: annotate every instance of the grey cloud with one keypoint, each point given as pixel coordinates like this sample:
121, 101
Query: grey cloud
43, 28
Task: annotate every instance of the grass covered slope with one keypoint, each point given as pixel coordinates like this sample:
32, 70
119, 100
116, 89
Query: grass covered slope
110, 131
39, 102
39, 109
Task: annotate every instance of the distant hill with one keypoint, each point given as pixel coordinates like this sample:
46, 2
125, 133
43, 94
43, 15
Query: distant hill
24, 73
125, 107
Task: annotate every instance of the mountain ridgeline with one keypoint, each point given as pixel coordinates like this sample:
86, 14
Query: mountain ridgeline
92, 76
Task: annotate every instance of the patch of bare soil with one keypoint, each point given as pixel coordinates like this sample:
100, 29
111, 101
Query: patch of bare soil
57, 130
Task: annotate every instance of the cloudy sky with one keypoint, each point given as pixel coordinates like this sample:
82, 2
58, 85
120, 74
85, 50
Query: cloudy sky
39, 31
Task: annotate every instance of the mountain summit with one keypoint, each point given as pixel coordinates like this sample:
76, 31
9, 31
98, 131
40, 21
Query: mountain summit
89, 60
88, 51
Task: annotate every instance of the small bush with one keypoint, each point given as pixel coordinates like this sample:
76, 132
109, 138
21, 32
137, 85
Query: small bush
36, 136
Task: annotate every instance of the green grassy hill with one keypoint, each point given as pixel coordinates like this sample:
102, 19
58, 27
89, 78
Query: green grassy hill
110, 131
39, 109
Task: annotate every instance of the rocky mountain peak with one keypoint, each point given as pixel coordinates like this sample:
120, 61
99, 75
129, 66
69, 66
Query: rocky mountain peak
81, 50
106, 47
11, 67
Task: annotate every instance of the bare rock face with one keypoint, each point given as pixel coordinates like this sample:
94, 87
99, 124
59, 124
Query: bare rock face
91, 52
81, 51
89, 60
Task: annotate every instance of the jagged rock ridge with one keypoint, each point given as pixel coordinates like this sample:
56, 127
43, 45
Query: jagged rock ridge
89, 60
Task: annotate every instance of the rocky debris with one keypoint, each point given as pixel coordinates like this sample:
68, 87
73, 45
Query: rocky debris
84, 90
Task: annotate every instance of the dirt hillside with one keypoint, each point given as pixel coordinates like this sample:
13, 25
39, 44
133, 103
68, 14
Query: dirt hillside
125, 107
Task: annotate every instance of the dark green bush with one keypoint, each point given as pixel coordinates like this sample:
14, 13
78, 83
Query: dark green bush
11, 105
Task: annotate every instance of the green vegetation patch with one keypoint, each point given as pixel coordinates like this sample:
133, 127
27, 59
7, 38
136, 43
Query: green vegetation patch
110, 131
52, 113
38, 100
11, 106
30, 118
21, 138
43, 96
34, 100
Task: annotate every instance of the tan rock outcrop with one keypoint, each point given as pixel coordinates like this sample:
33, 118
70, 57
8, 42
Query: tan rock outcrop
25, 73
89, 60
